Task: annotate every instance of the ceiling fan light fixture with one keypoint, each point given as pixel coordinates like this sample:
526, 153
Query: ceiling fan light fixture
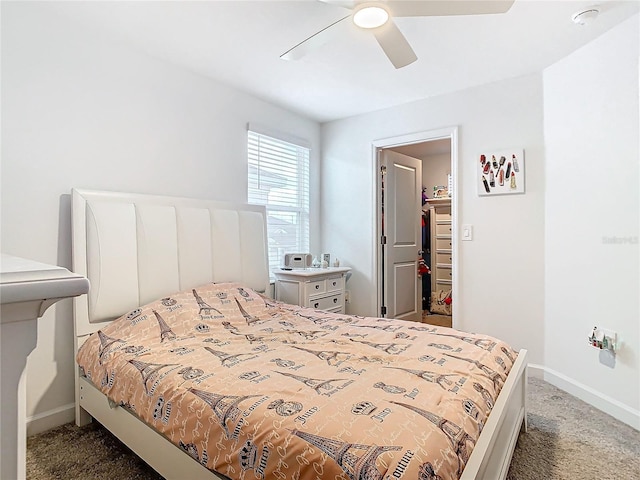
370, 16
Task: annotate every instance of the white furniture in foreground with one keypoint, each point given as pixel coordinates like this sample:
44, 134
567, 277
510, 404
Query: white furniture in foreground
27, 289
319, 288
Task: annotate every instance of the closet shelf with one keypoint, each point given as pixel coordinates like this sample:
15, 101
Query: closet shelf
438, 201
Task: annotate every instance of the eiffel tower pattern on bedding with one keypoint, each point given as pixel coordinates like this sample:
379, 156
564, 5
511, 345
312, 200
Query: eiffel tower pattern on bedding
257, 389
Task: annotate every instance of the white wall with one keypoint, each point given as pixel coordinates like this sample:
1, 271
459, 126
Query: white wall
81, 112
502, 269
435, 171
591, 130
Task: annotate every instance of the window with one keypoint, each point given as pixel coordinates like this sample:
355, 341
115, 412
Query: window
279, 179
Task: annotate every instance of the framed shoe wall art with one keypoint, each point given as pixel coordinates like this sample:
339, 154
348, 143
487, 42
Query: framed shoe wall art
500, 172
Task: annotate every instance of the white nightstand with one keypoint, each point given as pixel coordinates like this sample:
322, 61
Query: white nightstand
319, 288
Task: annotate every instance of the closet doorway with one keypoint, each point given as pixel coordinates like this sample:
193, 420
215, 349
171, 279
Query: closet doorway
416, 208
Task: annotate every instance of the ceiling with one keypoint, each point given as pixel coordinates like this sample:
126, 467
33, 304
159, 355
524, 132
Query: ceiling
239, 43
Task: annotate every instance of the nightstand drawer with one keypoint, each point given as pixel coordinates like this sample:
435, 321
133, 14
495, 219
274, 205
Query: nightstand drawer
326, 303
335, 284
317, 287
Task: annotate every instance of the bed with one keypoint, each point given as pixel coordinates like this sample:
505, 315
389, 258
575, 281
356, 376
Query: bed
191, 277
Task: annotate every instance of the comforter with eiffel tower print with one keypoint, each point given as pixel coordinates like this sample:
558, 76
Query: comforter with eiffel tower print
254, 388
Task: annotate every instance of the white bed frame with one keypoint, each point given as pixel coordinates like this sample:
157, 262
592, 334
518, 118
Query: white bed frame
137, 248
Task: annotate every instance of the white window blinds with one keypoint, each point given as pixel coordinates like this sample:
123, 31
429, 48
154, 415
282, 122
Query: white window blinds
279, 179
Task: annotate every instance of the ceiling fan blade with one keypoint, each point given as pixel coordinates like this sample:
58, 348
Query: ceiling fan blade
316, 40
427, 8
395, 45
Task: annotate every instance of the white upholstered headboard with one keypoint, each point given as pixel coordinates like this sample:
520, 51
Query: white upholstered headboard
137, 248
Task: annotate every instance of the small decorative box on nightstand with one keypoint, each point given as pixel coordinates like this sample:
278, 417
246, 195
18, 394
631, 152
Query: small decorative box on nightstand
319, 288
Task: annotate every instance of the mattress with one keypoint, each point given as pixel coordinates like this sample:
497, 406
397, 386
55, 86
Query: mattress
254, 388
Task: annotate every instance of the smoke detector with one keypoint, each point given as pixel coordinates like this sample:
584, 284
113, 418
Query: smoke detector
585, 17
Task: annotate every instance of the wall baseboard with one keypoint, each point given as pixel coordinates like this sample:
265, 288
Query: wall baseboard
535, 370
604, 403
44, 421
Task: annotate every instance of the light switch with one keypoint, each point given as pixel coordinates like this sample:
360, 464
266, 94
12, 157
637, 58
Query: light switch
467, 232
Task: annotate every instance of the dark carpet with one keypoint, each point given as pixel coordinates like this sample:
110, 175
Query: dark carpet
567, 439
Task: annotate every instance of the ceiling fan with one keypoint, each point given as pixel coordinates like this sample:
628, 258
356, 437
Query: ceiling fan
377, 17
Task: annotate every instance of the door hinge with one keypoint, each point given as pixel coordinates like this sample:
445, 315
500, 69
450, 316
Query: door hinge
383, 311
383, 169
383, 240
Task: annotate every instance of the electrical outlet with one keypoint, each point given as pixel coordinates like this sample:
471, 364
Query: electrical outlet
347, 296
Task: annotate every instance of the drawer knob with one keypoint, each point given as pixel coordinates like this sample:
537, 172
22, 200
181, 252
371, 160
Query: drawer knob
335, 300
317, 287
316, 305
334, 283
